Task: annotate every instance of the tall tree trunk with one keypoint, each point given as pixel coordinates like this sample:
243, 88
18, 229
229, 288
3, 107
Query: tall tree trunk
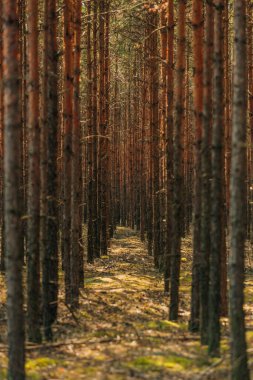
2, 266
103, 127
78, 148
250, 110
13, 228
238, 197
67, 150
206, 174
154, 120
197, 23
33, 230
143, 157
177, 163
23, 66
150, 171
95, 211
76, 225
217, 184
50, 258
107, 114
169, 136
90, 252
225, 158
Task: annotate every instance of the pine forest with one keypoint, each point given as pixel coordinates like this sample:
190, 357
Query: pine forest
126, 189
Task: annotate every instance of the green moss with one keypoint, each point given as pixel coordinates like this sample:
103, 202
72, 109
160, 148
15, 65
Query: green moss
105, 333
115, 377
155, 339
248, 297
90, 370
172, 362
91, 281
187, 279
153, 363
35, 376
185, 289
85, 315
3, 374
203, 361
40, 363
225, 345
248, 290
166, 326
86, 370
35, 366
198, 348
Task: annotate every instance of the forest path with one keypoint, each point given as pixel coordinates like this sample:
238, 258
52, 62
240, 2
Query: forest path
121, 331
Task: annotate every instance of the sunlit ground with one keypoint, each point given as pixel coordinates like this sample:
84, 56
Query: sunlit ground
121, 331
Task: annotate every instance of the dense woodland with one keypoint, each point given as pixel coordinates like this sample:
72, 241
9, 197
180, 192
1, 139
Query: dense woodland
126, 147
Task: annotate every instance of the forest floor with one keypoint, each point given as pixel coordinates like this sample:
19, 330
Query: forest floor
121, 331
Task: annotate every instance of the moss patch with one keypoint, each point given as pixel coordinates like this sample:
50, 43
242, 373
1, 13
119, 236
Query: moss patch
153, 363
40, 363
166, 326
225, 345
170, 362
2, 374
91, 281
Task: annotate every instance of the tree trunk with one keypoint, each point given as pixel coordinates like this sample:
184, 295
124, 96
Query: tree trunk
50, 258
95, 211
2, 266
169, 137
177, 163
12, 210
197, 23
103, 129
67, 150
90, 208
206, 174
33, 228
154, 120
238, 197
217, 225
75, 263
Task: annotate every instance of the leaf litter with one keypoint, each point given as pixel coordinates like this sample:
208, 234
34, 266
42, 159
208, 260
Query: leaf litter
122, 329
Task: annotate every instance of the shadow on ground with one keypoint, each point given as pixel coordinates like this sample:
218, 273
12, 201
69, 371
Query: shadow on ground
121, 331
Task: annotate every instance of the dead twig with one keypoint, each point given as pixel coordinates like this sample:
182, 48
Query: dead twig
45, 346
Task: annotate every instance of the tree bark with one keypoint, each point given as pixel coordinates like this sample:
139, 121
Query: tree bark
67, 150
169, 137
50, 258
33, 227
217, 225
206, 174
13, 227
76, 264
2, 266
238, 197
177, 163
197, 24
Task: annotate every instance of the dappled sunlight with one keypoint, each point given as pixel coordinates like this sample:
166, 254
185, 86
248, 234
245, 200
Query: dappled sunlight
122, 329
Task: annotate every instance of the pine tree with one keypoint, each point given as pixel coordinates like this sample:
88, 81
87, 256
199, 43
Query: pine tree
12, 210
238, 197
33, 228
